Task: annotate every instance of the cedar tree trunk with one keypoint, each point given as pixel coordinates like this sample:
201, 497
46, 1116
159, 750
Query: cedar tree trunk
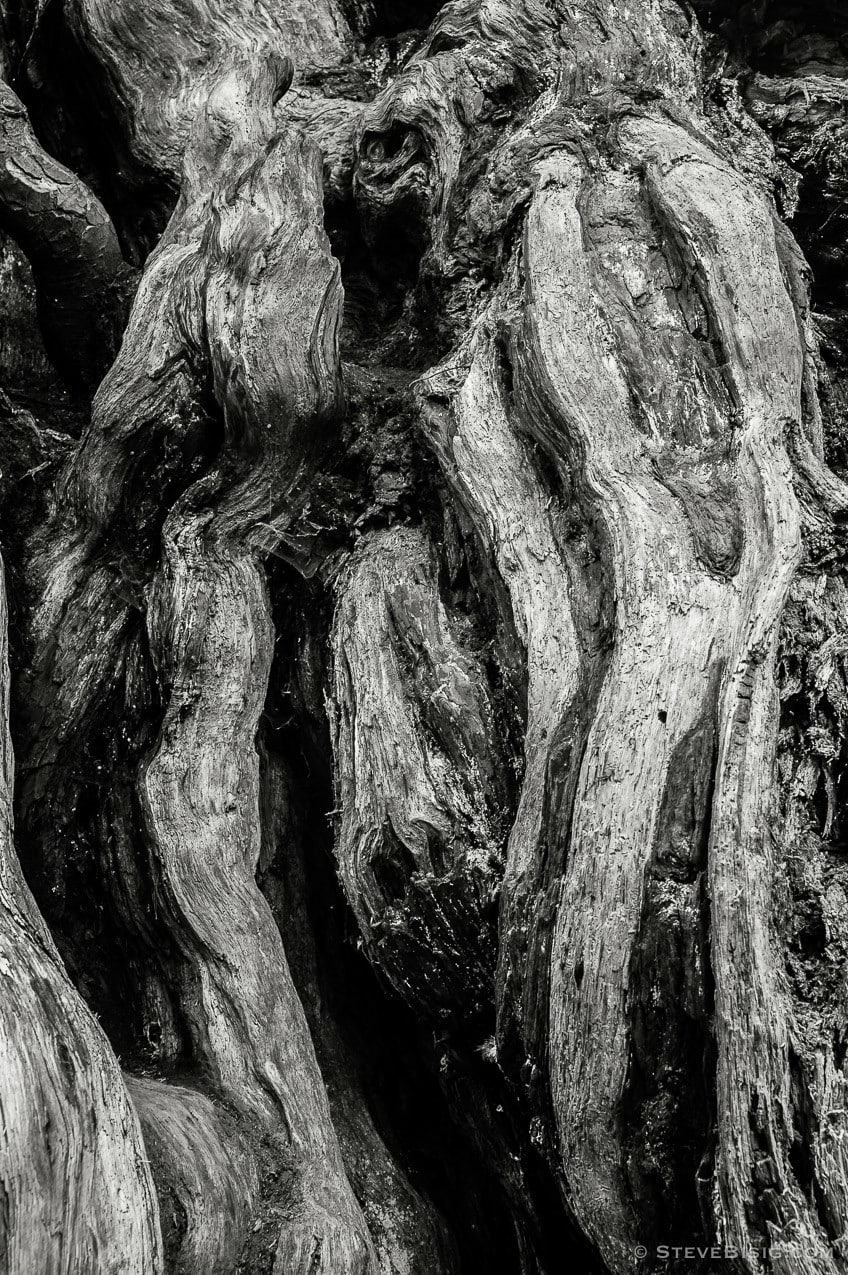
424, 638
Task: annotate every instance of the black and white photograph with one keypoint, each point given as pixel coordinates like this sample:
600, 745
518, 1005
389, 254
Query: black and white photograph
424, 637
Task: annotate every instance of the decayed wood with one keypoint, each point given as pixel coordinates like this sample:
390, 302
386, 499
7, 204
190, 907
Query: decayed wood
76, 1186
419, 852
576, 619
491, 473
204, 300
410, 1237
205, 1174
161, 62
82, 282
703, 541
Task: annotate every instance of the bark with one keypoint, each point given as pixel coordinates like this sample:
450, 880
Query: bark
428, 663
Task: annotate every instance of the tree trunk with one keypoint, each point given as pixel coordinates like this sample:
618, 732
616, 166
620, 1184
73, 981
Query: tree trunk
425, 455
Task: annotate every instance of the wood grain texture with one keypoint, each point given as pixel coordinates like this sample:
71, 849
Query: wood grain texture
410, 1235
208, 624
205, 1174
77, 1191
487, 464
429, 663
161, 61
420, 855
82, 282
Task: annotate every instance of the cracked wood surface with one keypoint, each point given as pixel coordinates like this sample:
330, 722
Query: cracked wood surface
528, 613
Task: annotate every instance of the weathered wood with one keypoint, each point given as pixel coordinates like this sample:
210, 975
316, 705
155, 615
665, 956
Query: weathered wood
160, 63
205, 1175
76, 1186
82, 283
409, 1234
490, 471
567, 674
419, 853
209, 630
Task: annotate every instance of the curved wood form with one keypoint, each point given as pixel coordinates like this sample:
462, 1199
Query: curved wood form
77, 1189
488, 466
701, 619
429, 660
161, 62
201, 315
82, 282
418, 852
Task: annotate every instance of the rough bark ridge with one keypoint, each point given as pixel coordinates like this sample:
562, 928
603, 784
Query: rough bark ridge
428, 658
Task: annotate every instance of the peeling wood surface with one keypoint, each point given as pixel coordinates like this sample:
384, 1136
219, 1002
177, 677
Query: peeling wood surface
77, 1189
420, 856
427, 637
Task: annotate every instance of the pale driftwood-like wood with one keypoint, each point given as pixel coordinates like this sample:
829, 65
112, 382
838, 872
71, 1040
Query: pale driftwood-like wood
76, 1185
210, 638
429, 665
409, 1234
161, 63
204, 1171
489, 468
418, 851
